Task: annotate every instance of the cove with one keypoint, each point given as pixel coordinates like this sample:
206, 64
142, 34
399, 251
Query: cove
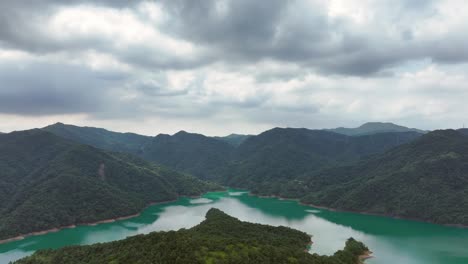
391, 240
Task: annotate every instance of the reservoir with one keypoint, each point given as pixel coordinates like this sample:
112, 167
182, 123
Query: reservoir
391, 240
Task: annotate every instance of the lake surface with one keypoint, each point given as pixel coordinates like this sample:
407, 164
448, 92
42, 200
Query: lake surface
391, 240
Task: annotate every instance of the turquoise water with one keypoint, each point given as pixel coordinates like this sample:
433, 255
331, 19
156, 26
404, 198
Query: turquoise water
391, 240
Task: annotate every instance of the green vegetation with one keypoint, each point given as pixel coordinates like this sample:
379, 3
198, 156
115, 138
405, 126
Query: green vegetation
267, 164
273, 162
48, 182
100, 138
406, 174
198, 155
218, 239
426, 179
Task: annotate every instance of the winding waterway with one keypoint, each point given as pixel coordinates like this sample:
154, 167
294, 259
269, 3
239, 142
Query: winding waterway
391, 240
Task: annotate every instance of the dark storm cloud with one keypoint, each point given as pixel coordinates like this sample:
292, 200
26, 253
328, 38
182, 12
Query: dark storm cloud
21, 26
243, 31
249, 31
43, 89
290, 31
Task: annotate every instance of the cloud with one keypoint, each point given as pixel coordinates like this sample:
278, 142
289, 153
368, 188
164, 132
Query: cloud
311, 63
43, 89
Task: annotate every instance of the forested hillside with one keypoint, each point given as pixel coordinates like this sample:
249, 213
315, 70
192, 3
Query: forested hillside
47, 181
266, 163
426, 179
272, 162
196, 154
218, 239
100, 138
201, 156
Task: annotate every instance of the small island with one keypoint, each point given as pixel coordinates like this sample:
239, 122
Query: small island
220, 238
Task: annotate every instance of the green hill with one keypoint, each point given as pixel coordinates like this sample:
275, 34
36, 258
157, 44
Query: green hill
47, 182
271, 163
196, 154
266, 163
374, 128
218, 239
100, 138
426, 179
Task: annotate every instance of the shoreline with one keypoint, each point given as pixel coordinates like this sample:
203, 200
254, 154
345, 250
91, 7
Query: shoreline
111, 220
359, 212
104, 221
363, 257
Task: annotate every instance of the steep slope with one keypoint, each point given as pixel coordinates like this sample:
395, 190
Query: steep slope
218, 239
47, 182
426, 179
270, 163
374, 128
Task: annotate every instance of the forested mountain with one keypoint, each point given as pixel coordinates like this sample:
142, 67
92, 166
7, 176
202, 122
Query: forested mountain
234, 139
270, 163
196, 154
100, 138
426, 179
262, 163
374, 128
218, 239
47, 181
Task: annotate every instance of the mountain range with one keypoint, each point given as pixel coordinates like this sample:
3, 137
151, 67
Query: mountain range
403, 174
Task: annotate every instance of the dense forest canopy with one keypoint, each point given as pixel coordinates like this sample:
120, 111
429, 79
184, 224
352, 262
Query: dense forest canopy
48, 182
218, 239
400, 173
426, 179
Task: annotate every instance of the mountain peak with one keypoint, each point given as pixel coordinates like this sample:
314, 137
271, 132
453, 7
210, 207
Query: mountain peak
374, 128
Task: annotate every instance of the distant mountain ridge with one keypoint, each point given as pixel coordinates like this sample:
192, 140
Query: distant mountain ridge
374, 128
192, 153
261, 163
234, 139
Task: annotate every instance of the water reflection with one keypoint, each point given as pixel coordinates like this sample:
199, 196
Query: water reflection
393, 241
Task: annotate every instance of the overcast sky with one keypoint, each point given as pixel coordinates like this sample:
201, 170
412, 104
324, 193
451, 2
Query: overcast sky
243, 66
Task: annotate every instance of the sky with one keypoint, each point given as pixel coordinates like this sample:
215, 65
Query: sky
232, 66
